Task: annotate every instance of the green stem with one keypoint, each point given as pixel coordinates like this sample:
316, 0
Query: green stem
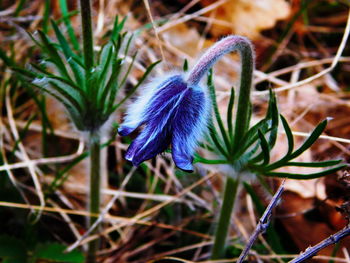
243, 46
224, 217
46, 17
229, 44
67, 22
95, 179
243, 113
88, 42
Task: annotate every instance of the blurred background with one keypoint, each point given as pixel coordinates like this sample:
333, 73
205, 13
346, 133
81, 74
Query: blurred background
158, 213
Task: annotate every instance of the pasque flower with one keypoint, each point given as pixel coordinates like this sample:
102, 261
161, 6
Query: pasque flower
174, 111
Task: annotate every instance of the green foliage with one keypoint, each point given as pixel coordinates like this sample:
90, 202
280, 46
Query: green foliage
256, 145
88, 95
54, 252
65, 18
13, 250
185, 65
87, 83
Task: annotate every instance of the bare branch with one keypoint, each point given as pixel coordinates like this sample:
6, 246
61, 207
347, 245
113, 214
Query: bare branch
311, 251
263, 223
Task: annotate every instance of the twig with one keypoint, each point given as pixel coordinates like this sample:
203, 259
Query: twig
346, 255
323, 72
148, 8
140, 216
191, 16
311, 251
332, 138
49, 160
23, 19
102, 214
263, 223
23, 151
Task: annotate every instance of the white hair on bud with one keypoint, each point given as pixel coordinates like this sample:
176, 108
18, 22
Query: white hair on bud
136, 109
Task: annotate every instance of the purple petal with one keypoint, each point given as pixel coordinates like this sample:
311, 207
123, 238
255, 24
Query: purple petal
188, 125
148, 144
125, 130
166, 99
152, 103
175, 113
132, 149
158, 116
183, 161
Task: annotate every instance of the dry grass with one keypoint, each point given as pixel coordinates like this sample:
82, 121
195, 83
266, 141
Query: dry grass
142, 233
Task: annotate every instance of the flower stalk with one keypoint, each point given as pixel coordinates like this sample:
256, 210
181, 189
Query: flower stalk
243, 108
222, 229
88, 42
243, 46
94, 135
229, 44
95, 182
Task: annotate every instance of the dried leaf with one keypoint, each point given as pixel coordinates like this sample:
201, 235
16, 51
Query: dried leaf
248, 18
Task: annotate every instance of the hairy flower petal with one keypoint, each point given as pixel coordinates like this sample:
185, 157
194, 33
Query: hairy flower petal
189, 123
172, 113
150, 103
148, 144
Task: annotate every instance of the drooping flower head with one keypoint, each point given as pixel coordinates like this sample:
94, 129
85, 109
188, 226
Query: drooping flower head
174, 111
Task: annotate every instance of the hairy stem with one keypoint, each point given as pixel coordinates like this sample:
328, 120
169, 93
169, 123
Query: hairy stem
226, 45
243, 108
244, 48
94, 206
88, 42
224, 217
94, 136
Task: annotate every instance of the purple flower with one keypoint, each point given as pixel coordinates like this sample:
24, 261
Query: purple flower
176, 111
172, 113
